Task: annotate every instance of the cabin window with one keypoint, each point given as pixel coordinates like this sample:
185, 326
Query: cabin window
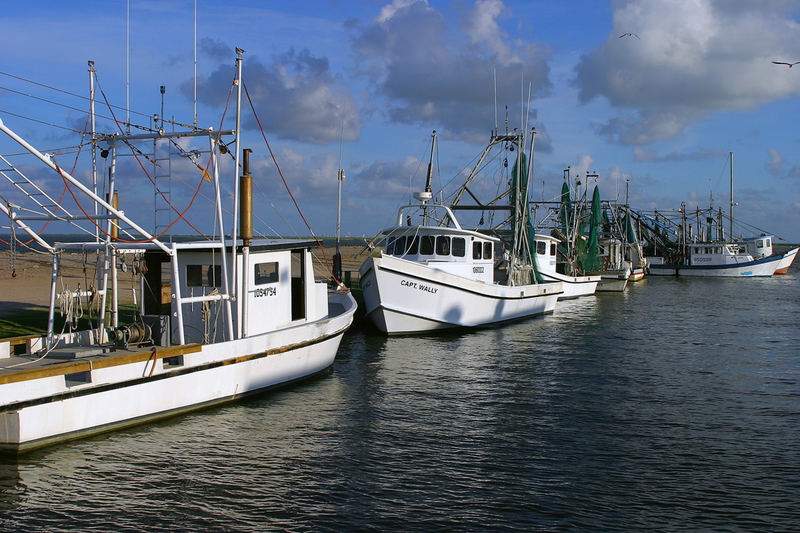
442, 245
487, 250
459, 247
541, 247
477, 246
553, 249
768, 242
265, 273
390, 246
203, 275
760, 243
413, 245
426, 245
400, 246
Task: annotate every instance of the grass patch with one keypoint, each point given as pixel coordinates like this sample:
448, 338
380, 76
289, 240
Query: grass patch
34, 321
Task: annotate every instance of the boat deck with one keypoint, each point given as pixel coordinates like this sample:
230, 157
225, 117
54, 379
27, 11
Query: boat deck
74, 360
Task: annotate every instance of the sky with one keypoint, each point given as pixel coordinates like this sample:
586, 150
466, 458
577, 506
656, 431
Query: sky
361, 84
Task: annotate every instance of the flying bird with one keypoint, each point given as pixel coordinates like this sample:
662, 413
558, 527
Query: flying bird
790, 65
628, 35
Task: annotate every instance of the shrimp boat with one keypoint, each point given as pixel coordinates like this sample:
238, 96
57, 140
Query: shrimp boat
215, 319
436, 274
704, 248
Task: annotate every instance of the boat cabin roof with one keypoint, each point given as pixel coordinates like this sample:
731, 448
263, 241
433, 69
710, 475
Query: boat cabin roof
398, 231
256, 245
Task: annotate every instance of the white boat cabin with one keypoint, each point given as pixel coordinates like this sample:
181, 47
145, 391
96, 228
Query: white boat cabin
280, 290
546, 253
718, 253
759, 247
448, 248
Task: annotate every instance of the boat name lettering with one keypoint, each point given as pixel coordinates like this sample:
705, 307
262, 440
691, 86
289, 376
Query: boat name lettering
477, 270
266, 291
420, 286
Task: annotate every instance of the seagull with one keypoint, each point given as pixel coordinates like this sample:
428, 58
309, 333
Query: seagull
628, 35
790, 65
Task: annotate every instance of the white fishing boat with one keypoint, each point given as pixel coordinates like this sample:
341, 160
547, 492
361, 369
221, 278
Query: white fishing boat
704, 249
718, 259
437, 275
546, 265
217, 319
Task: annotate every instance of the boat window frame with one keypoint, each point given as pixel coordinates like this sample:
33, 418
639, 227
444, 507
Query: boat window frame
412, 245
272, 276
477, 249
400, 245
427, 244
488, 250
200, 275
442, 250
541, 248
459, 250
390, 245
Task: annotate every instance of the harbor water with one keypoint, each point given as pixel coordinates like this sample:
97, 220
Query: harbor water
675, 405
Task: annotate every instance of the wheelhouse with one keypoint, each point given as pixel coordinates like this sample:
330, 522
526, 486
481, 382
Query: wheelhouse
449, 248
760, 246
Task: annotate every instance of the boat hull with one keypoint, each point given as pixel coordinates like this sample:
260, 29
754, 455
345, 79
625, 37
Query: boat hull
403, 297
637, 274
758, 268
786, 262
613, 281
123, 395
573, 287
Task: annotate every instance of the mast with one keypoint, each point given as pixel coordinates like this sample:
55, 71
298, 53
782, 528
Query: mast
94, 145
732, 204
337, 257
234, 227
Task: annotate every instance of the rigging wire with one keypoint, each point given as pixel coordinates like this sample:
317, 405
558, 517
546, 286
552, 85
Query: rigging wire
280, 173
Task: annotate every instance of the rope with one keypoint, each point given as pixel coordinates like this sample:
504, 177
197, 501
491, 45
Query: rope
280, 173
180, 214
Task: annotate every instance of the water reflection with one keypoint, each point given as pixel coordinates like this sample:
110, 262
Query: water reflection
672, 405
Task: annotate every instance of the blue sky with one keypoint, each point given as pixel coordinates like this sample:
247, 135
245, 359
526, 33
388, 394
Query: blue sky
661, 109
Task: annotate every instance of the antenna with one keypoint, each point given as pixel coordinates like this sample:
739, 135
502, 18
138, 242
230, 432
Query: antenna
195, 65
340, 177
494, 70
128, 70
163, 89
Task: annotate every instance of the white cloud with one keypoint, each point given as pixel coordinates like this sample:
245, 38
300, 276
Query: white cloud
691, 58
296, 96
775, 162
435, 73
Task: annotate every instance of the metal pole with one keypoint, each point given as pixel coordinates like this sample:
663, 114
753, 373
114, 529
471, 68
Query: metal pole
731, 233
225, 278
176, 297
337, 258
47, 160
246, 223
51, 312
235, 226
94, 144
